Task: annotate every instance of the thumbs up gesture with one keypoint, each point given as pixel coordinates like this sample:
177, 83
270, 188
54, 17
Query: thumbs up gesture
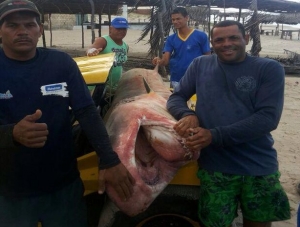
29, 133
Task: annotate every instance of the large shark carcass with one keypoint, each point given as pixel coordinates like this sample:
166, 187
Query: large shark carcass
141, 132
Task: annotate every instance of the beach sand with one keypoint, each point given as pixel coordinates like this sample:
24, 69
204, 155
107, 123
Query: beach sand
286, 136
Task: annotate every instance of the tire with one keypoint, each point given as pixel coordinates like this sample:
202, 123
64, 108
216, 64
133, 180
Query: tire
176, 202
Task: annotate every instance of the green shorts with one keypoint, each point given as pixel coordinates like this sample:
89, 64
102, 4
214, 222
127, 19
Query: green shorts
261, 198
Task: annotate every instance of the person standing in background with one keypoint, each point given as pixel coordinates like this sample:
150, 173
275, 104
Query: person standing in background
182, 47
112, 43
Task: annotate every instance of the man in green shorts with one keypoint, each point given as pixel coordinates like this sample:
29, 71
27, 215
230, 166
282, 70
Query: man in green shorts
239, 103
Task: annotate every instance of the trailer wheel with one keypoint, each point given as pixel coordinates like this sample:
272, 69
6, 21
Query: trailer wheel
165, 220
175, 206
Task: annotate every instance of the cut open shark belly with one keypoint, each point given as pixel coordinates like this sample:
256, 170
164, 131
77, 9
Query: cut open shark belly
141, 132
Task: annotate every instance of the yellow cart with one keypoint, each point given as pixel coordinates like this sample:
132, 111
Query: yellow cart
95, 71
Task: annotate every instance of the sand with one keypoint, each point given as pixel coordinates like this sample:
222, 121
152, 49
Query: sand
272, 46
287, 135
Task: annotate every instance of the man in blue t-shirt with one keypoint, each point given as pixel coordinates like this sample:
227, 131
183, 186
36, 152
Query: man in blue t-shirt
39, 179
182, 47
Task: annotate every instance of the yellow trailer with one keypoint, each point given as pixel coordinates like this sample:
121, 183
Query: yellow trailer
95, 69
185, 184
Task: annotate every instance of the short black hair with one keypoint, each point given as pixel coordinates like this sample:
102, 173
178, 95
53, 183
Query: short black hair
180, 10
227, 23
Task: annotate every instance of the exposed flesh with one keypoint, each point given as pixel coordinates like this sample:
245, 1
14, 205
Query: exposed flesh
141, 132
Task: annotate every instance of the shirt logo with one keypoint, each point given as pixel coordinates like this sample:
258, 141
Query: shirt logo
120, 56
245, 83
59, 89
6, 95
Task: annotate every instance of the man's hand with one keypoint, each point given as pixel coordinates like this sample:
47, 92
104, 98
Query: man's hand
93, 51
29, 133
156, 61
119, 178
198, 138
185, 123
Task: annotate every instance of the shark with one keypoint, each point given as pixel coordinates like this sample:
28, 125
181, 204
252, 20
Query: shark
141, 132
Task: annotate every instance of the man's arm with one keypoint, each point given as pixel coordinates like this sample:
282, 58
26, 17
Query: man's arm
268, 109
26, 132
94, 128
111, 169
162, 61
168, 49
266, 116
205, 44
98, 45
177, 102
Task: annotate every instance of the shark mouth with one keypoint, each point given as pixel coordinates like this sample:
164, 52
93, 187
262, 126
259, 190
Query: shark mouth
148, 146
157, 147
141, 132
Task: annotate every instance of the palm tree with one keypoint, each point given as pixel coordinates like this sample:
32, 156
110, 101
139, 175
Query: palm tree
252, 26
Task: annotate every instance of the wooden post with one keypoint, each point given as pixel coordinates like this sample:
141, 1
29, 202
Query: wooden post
92, 20
82, 30
50, 29
209, 6
100, 25
43, 33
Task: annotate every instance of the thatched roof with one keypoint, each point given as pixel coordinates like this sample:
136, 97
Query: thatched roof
200, 14
82, 6
112, 6
262, 5
283, 18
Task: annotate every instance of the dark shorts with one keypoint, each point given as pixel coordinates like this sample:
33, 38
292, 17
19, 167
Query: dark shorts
261, 198
63, 208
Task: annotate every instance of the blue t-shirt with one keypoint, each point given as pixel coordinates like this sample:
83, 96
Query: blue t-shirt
240, 104
51, 82
183, 51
